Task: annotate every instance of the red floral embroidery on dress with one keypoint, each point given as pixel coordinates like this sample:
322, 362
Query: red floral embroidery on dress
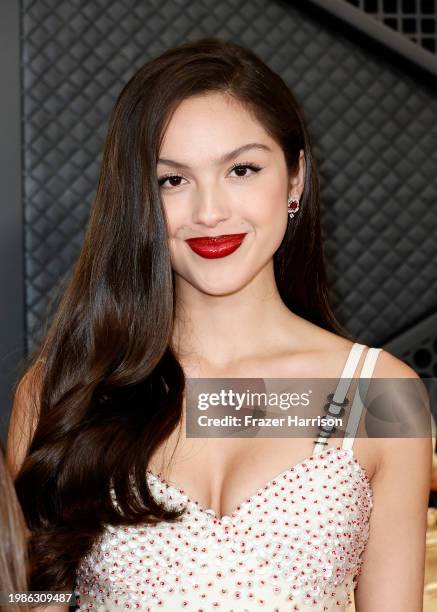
295, 544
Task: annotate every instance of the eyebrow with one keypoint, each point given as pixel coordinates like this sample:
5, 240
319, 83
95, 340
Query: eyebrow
223, 158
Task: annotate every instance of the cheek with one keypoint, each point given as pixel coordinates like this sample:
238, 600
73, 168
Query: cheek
267, 207
270, 218
176, 255
175, 220
172, 224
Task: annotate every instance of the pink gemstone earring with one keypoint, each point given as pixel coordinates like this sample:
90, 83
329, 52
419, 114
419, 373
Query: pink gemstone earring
292, 205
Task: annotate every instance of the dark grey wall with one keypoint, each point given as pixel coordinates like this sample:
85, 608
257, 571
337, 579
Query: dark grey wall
12, 319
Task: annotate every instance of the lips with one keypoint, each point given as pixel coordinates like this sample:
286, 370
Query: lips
216, 246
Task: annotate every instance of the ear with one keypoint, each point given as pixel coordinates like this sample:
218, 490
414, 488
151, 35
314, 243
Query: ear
296, 183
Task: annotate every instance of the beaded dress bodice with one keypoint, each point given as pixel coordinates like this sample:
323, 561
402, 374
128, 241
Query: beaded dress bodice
295, 544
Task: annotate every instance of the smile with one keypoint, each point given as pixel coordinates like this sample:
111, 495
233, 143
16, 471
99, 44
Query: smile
215, 246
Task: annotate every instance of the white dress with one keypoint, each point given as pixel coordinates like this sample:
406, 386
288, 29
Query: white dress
295, 544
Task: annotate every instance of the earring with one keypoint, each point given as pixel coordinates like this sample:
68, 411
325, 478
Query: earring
292, 205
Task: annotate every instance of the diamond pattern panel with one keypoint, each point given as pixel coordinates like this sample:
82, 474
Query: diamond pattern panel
415, 19
374, 131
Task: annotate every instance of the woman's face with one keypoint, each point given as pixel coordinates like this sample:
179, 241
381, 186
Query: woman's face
209, 188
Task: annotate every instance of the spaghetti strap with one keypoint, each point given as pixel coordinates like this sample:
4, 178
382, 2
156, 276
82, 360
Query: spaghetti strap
360, 396
342, 388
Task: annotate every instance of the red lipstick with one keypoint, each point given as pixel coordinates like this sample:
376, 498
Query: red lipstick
213, 247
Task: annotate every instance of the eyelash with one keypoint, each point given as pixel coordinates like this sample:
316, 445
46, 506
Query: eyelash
253, 167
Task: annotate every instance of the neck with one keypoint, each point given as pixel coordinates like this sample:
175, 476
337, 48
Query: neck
221, 330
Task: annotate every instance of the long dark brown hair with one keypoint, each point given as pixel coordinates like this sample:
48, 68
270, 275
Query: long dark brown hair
111, 384
13, 553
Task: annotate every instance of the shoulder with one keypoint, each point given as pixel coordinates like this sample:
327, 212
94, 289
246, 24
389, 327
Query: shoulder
389, 366
410, 402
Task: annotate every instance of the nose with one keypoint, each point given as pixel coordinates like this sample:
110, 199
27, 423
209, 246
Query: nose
210, 207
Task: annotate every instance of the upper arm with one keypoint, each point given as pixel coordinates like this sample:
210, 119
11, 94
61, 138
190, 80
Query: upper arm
24, 417
392, 573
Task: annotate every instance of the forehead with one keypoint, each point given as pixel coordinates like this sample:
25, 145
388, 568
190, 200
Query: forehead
206, 126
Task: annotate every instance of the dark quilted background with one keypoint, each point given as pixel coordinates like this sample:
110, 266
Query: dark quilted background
374, 130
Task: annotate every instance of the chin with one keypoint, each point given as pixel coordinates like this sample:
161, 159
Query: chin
218, 289
219, 285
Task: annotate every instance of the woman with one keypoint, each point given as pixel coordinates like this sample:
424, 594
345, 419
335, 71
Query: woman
203, 259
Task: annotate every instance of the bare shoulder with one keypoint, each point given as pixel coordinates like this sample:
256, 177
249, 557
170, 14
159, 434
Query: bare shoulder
412, 453
316, 351
24, 415
389, 366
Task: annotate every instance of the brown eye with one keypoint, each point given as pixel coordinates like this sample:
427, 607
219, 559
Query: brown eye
243, 168
171, 178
